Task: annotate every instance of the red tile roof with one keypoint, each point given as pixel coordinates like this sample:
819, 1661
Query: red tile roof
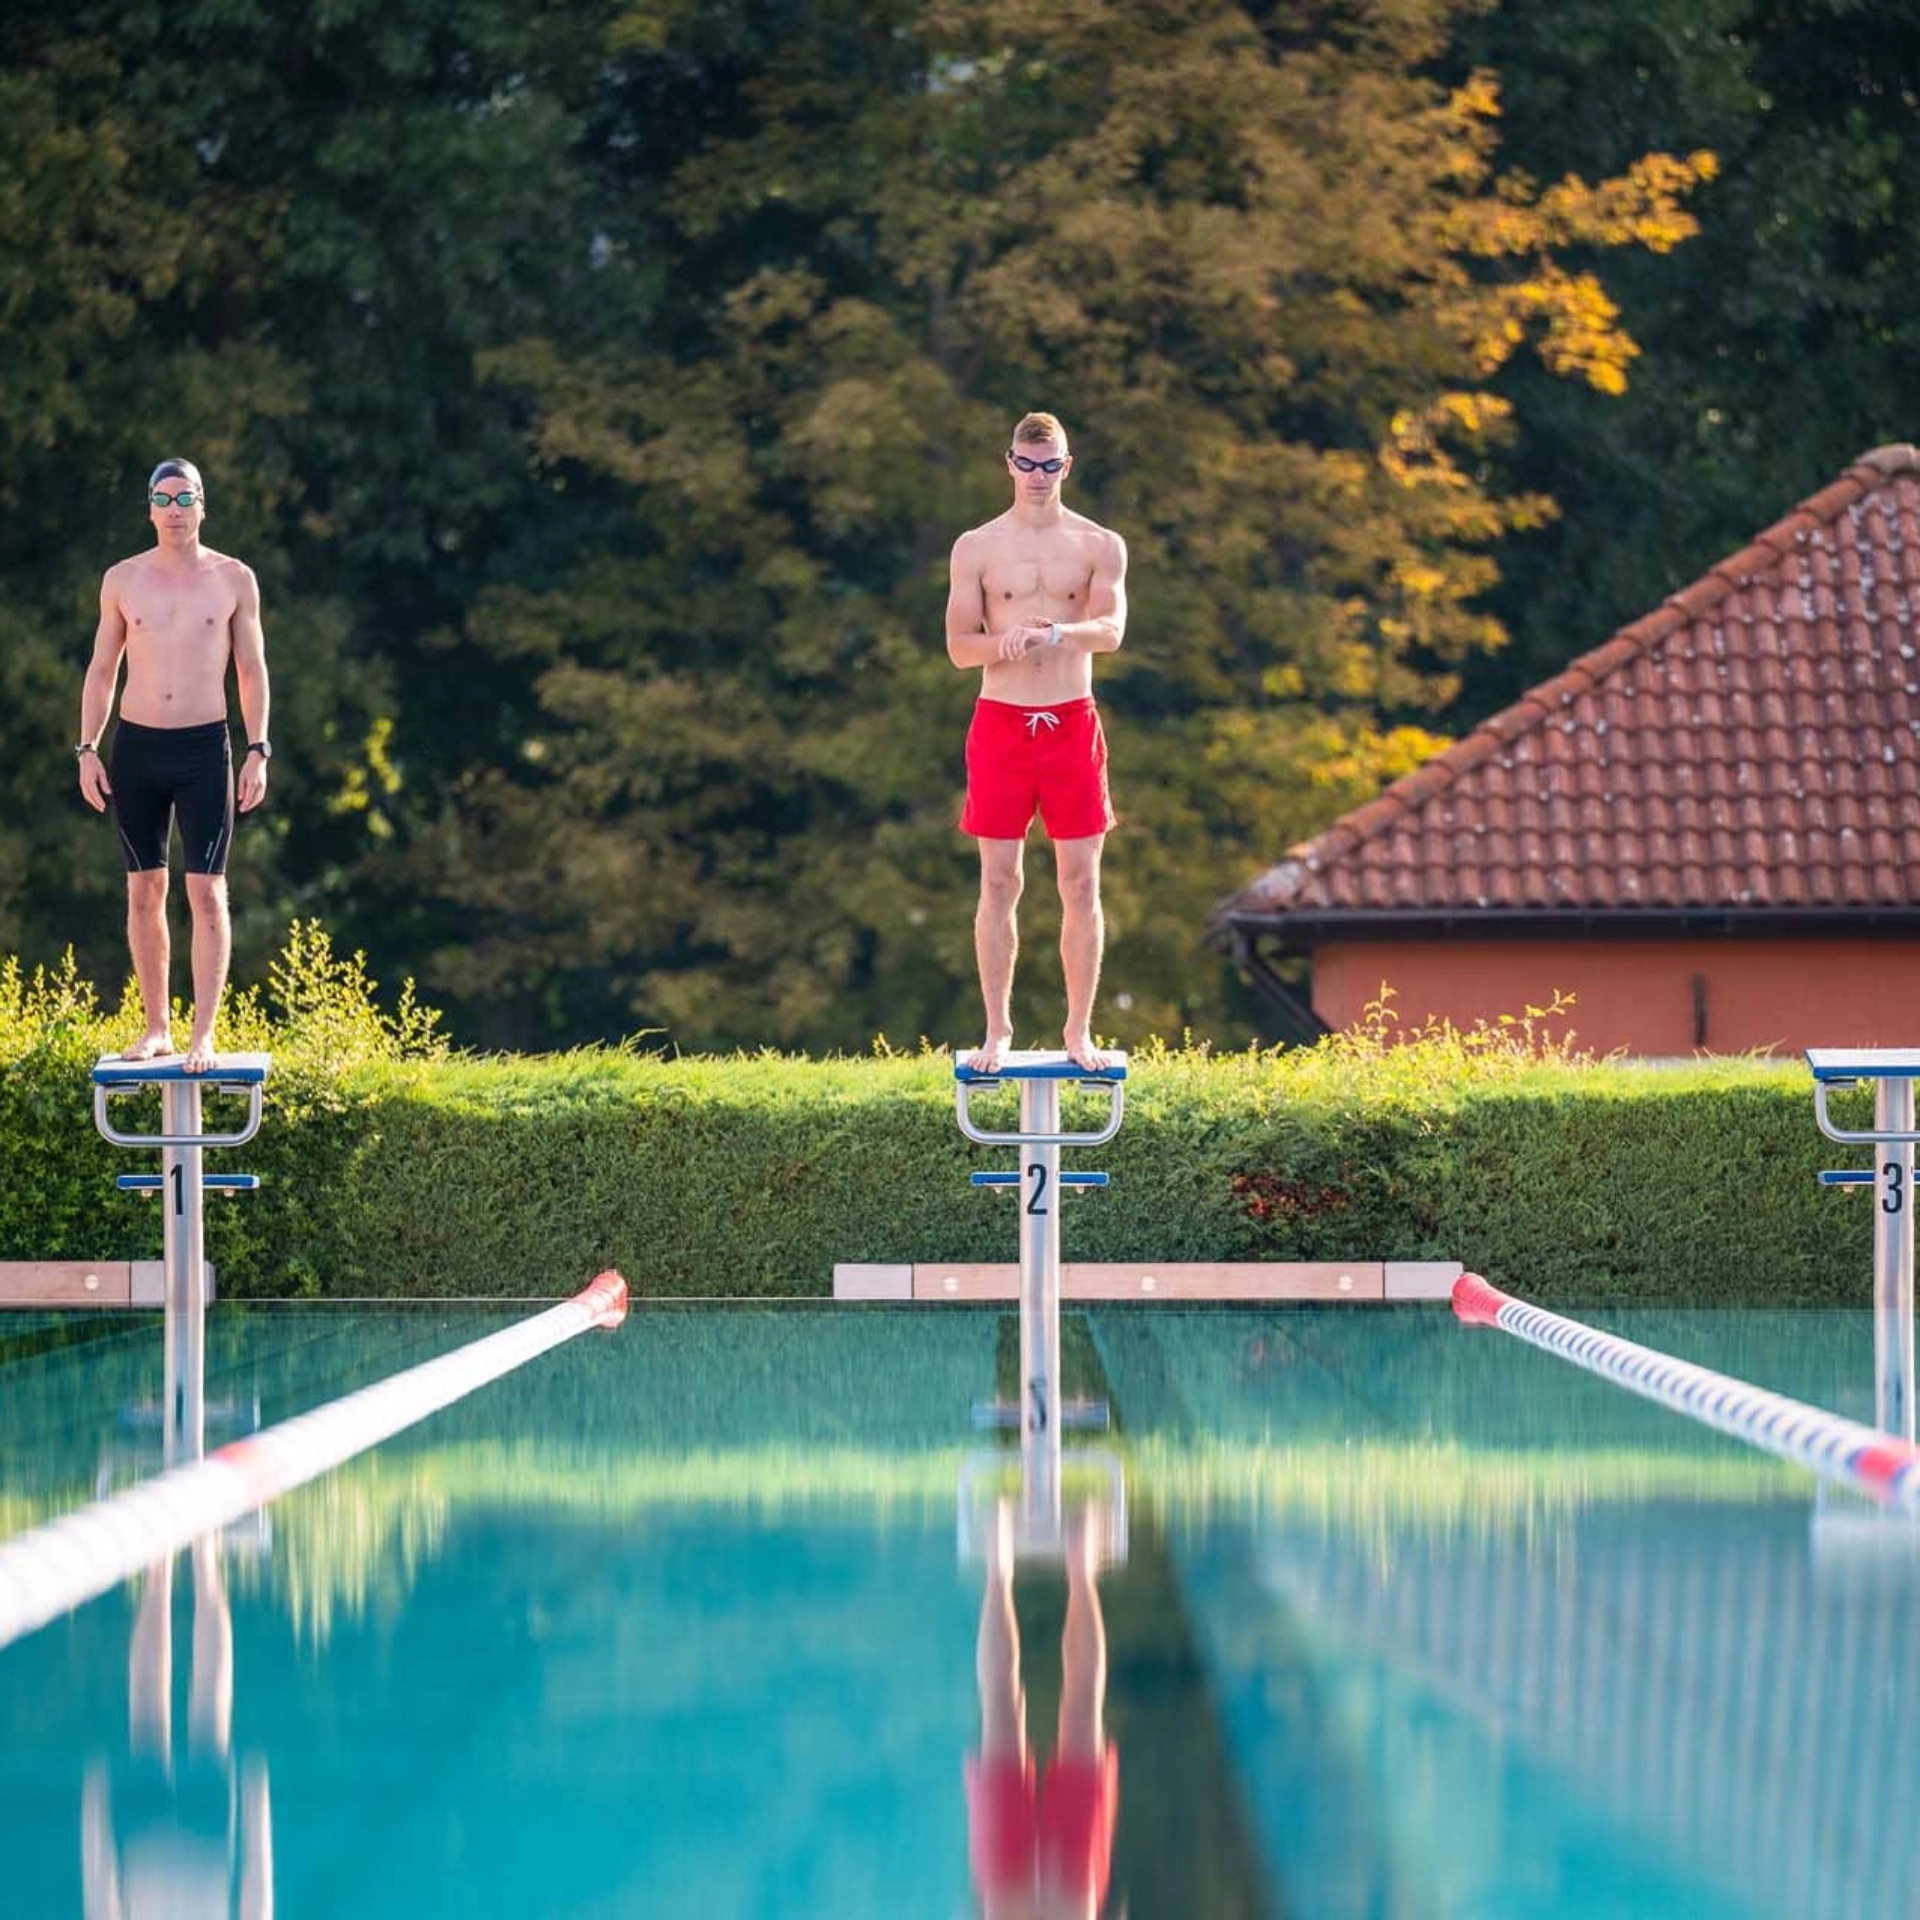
1753, 745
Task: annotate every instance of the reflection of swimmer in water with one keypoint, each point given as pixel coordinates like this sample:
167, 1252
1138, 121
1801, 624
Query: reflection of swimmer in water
1041, 1845
1266, 1355
161, 1836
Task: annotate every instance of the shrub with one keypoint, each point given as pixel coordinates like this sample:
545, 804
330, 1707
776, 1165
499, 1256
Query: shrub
393, 1165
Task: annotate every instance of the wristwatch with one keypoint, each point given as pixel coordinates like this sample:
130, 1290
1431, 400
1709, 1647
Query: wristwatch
1053, 633
83, 748
264, 748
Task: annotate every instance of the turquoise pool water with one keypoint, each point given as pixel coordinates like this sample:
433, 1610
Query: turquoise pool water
1413, 1621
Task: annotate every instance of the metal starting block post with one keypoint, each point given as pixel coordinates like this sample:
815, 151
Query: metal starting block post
1891, 1072
1040, 1415
182, 1184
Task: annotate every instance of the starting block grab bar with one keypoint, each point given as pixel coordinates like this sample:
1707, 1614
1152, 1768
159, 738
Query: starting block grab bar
1840, 1067
235, 1072
1850, 1136
1041, 1066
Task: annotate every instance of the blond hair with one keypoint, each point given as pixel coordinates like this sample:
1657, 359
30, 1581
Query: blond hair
1039, 426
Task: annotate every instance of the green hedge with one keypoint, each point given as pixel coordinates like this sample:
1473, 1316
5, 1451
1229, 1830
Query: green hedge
392, 1166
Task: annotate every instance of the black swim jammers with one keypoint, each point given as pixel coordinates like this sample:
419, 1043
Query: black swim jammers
159, 772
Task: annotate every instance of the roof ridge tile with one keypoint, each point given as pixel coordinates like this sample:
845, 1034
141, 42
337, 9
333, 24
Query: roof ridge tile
1883, 463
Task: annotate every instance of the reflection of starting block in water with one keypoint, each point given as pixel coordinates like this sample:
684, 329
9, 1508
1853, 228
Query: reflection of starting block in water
183, 1186
1858, 1543
1089, 1474
1040, 1414
137, 1451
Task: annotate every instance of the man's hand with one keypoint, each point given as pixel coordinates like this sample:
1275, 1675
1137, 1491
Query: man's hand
1017, 642
94, 789
253, 781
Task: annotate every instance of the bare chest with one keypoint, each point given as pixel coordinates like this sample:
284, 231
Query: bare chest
1022, 577
191, 617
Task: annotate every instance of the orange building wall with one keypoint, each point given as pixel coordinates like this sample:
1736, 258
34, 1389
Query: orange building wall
1638, 995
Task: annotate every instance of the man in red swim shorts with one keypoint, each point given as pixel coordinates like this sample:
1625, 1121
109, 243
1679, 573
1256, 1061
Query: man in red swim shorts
1033, 596
1041, 1844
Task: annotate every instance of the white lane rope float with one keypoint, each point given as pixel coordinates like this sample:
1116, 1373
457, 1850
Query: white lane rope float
1877, 1463
49, 1570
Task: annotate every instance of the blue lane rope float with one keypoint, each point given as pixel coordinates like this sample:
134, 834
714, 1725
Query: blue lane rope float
1835, 1449
52, 1569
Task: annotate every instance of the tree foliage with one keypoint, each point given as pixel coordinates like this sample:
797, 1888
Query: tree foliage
1782, 343
1265, 268
597, 389
274, 239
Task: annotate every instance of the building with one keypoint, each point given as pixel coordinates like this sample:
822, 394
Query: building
1706, 830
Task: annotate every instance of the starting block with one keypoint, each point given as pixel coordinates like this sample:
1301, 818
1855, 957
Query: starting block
183, 1184
1040, 1415
1891, 1073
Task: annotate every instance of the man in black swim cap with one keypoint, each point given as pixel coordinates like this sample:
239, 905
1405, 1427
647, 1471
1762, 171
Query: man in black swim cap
176, 614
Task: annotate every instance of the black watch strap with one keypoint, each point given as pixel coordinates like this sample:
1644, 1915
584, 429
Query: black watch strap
264, 748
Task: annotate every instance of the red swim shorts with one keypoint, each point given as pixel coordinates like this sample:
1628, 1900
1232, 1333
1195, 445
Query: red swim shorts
1054, 1832
1050, 758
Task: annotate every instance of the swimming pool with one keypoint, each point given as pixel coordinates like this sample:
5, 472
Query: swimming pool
1412, 1621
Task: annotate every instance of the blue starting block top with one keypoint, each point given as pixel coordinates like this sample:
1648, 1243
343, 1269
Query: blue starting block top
1034, 1065
1864, 1063
228, 1070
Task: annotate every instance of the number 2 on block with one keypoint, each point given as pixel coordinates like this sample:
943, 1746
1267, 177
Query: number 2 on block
1037, 1202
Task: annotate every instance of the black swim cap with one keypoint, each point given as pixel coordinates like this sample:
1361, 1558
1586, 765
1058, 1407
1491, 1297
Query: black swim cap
177, 469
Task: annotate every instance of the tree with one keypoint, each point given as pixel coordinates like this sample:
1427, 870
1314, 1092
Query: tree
1268, 271
597, 389
1783, 347
274, 240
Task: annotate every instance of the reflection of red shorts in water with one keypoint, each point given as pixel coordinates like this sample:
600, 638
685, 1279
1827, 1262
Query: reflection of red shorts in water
1053, 758
1025, 1831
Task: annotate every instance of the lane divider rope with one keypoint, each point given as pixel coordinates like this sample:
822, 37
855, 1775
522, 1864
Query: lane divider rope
1836, 1449
49, 1570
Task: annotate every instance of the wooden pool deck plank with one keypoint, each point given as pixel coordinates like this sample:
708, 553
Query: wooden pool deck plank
66, 1283
1252, 1281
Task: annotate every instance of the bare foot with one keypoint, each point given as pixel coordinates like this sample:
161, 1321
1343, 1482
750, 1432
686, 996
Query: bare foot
988, 1058
1086, 1535
150, 1046
1083, 1053
199, 1055
1000, 1543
